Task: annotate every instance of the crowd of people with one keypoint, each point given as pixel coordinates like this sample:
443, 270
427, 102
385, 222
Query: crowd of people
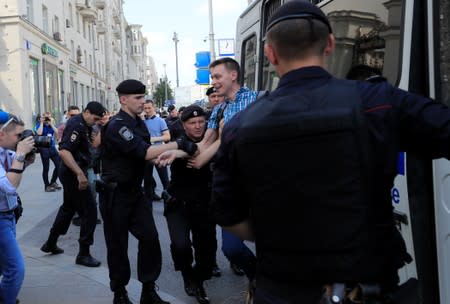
316, 241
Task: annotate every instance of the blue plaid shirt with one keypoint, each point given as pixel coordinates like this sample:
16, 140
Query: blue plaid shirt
243, 98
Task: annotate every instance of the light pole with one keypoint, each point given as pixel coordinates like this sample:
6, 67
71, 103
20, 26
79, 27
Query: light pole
175, 39
165, 83
211, 32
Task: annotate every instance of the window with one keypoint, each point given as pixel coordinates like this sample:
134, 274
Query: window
249, 62
30, 10
70, 14
89, 33
56, 24
85, 59
77, 15
72, 48
45, 19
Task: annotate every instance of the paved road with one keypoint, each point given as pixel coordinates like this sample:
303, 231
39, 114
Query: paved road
226, 289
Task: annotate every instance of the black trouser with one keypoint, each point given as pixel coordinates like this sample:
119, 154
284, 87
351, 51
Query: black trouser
48, 154
128, 210
183, 219
149, 180
75, 200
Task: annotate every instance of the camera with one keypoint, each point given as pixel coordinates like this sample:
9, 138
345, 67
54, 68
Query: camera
46, 119
39, 141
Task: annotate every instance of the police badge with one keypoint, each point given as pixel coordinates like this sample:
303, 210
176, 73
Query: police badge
126, 134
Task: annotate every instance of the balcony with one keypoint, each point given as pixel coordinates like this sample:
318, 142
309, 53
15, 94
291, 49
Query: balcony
89, 14
100, 4
116, 32
100, 26
80, 4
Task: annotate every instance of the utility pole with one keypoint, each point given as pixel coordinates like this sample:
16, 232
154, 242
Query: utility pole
211, 33
175, 39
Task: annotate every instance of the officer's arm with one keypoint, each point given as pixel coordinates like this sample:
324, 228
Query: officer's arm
164, 137
205, 156
70, 162
156, 150
242, 230
210, 137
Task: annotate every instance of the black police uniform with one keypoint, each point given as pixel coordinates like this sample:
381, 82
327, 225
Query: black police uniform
124, 208
188, 212
311, 230
77, 140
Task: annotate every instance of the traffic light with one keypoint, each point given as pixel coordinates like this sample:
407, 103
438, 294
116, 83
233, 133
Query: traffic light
202, 60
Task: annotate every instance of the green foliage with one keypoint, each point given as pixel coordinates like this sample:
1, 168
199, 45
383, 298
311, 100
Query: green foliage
159, 94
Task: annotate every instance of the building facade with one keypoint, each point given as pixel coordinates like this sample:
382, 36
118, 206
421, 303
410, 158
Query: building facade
59, 53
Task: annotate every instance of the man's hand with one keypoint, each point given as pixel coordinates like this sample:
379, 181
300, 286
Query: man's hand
166, 158
25, 146
82, 181
194, 163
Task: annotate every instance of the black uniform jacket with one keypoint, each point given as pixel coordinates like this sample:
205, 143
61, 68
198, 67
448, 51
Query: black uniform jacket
125, 141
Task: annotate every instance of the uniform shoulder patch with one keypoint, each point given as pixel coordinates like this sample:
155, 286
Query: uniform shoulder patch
126, 133
74, 136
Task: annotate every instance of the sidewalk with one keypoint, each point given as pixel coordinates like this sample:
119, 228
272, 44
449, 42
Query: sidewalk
52, 279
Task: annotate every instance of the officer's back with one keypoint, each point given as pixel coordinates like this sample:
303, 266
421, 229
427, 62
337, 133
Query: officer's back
307, 171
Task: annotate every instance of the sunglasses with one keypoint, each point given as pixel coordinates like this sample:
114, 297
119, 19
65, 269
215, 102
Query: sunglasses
12, 118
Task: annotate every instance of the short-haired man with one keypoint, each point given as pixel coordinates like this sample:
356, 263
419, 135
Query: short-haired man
214, 99
311, 229
12, 165
75, 152
159, 134
225, 76
125, 149
72, 111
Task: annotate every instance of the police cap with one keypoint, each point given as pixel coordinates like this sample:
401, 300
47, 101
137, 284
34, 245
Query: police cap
210, 91
192, 111
298, 9
96, 108
131, 86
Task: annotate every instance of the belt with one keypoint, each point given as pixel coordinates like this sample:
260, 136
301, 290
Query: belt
7, 212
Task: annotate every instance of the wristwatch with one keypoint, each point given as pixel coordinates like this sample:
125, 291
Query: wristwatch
20, 157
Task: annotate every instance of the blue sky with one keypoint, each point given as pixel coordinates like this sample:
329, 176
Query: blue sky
189, 18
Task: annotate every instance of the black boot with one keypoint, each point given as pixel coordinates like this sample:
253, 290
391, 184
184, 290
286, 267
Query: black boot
200, 294
50, 246
150, 296
84, 257
189, 286
121, 298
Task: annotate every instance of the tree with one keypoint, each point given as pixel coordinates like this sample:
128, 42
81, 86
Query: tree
159, 94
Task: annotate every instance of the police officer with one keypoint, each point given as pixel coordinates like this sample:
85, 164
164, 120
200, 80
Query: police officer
306, 172
125, 149
78, 196
186, 208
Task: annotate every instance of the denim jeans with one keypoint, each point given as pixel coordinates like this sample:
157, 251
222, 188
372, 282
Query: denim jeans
239, 254
12, 265
48, 154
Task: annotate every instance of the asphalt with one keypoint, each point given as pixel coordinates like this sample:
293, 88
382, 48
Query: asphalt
55, 279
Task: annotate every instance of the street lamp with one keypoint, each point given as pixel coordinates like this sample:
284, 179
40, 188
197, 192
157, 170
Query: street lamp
175, 39
165, 82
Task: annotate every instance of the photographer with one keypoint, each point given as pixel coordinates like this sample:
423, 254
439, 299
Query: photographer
46, 127
12, 268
